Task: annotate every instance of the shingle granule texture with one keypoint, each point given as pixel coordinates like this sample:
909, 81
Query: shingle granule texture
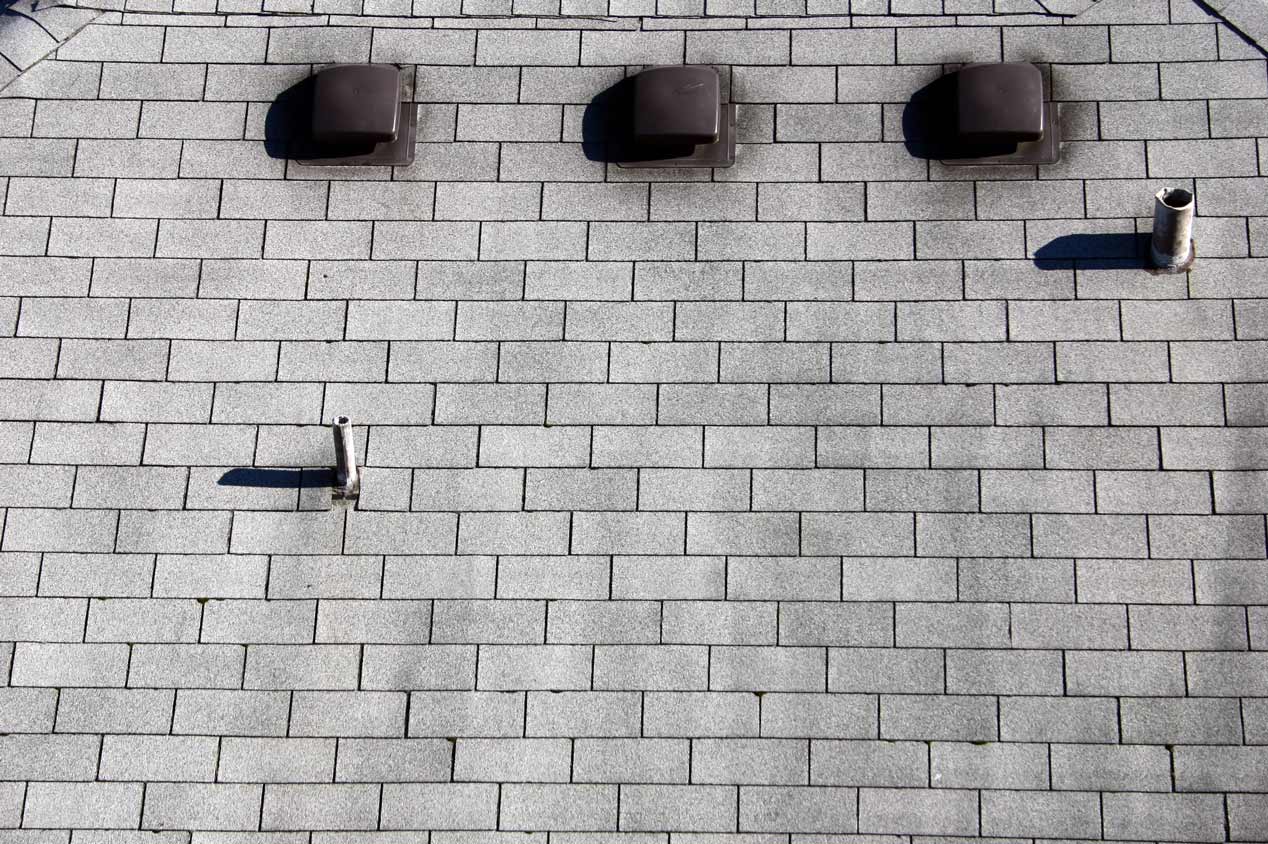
841, 496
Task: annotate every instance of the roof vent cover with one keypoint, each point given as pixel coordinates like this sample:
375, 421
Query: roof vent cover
1000, 102
666, 116
677, 105
345, 115
984, 114
356, 104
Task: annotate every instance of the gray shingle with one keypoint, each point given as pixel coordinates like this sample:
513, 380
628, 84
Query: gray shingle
810, 809
510, 47
181, 805
859, 241
888, 362
1180, 721
192, 120
159, 758
553, 577
287, 806
1004, 672
933, 717
219, 239
1069, 626
713, 623
234, 81
101, 805
543, 667
506, 622
457, 713
583, 714
1152, 492
1152, 120
556, 84
114, 710
993, 765
255, 199
782, 85
1197, 158
758, 446
1245, 814
1214, 536
759, 533
1122, 673
133, 620
443, 805
363, 714
734, 399
1026, 813
646, 760
836, 625
973, 535
282, 760
1198, 816
1111, 768
1011, 200
238, 45
1109, 448
1064, 719
44, 197
493, 201
37, 157
920, 201
512, 760
44, 400
937, 321
49, 757
703, 808
865, 763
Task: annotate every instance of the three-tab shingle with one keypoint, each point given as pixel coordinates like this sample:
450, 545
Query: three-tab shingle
842, 492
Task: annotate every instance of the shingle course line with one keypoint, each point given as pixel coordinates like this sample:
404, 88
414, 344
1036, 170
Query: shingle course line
882, 409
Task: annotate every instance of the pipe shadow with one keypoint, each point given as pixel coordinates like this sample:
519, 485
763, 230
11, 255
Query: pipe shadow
250, 476
1103, 251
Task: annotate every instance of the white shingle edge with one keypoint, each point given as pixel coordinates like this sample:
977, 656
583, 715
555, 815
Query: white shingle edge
55, 23
1068, 8
1249, 17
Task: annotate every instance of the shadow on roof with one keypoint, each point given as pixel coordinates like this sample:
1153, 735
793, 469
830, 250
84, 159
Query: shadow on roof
277, 478
607, 129
929, 125
606, 120
1103, 251
286, 122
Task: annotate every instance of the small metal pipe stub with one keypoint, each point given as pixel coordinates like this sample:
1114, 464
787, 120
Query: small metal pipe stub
347, 485
1171, 247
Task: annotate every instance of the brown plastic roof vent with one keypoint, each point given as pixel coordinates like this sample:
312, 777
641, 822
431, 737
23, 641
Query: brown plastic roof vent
1001, 116
678, 119
677, 105
1000, 102
361, 114
356, 104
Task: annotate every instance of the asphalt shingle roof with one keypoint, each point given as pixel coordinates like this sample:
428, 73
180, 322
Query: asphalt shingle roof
841, 496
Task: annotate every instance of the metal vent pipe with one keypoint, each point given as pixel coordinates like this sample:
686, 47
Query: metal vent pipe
347, 476
1171, 248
